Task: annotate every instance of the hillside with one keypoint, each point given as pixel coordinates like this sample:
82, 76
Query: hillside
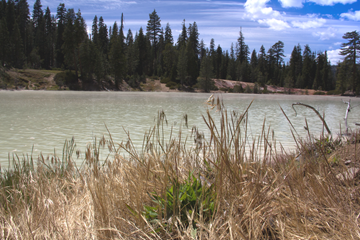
32, 79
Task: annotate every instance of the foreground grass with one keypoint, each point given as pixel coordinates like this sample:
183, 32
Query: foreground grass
224, 187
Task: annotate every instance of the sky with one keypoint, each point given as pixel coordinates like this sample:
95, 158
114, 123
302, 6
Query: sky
318, 23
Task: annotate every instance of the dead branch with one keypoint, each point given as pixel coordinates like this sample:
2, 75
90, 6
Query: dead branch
316, 111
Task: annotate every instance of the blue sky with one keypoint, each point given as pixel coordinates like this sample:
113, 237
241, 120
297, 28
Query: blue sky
319, 23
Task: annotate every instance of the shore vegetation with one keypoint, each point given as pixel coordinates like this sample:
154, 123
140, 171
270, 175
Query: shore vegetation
225, 185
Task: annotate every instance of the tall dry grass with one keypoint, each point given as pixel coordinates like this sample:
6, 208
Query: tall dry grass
258, 192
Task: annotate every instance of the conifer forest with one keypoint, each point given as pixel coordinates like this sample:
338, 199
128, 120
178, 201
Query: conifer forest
39, 39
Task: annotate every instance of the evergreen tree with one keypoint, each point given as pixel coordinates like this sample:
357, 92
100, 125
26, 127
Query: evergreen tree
254, 67
318, 81
121, 30
17, 47
37, 14
10, 15
192, 65
218, 57
205, 81
80, 36
242, 58
278, 50
132, 54
170, 60
342, 76
49, 39
182, 66
22, 13
202, 49
114, 33
351, 50
192, 53
243, 50
4, 42
306, 72
61, 17
231, 71
224, 64
153, 28
95, 31
296, 67
141, 45
182, 37
103, 36
262, 66
168, 35
117, 57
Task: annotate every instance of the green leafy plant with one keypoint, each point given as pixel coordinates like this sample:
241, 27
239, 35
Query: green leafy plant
190, 200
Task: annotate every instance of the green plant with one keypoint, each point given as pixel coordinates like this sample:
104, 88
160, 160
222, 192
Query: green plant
319, 93
165, 80
172, 85
190, 200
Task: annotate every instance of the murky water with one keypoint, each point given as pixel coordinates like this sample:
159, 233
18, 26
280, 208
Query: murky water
43, 120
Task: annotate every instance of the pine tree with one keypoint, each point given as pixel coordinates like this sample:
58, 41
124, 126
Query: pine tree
278, 50
103, 36
170, 59
296, 67
318, 81
182, 66
69, 46
262, 66
168, 35
153, 28
95, 31
132, 54
306, 75
22, 13
117, 57
141, 45
10, 15
4, 42
192, 65
205, 80
37, 14
243, 50
17, 53
351, 50
60, 16
343, 74
48, 43
182, 37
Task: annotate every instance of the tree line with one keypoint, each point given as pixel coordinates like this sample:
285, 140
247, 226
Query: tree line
108, 55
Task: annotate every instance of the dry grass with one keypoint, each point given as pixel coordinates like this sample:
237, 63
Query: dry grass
260, 193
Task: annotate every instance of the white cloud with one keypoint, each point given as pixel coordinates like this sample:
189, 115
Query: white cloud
257, 9
275, 24
351, 15
334, 56
331, 2
329, 33
309, 24
292, 3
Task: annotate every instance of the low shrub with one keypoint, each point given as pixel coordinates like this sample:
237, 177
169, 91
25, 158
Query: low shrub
66, 78
172, 85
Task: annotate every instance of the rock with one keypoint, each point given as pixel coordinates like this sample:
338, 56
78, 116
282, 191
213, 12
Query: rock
348, 175
347, 162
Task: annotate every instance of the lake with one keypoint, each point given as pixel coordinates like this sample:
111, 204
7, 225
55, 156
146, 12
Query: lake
43, 120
